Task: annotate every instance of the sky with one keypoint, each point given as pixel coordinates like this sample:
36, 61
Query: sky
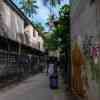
43, 11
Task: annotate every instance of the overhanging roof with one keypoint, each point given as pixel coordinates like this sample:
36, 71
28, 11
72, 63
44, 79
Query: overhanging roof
18, 11
13, 6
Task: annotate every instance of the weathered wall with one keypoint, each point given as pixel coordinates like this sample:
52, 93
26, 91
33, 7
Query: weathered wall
85, 27
29, 33
41, 43
11, 20
34, 39
12, 26
3, 27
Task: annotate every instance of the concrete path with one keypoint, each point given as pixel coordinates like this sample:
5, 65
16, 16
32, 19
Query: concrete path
34, 88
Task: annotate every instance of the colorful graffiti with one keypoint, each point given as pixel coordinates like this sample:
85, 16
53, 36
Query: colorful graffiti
95, 51
91, 50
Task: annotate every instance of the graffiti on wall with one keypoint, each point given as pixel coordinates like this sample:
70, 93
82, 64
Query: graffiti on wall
87, 44
95, 51
91, 49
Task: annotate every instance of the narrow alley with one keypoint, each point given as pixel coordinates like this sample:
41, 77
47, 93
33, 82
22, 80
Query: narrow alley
49, 49
34, 88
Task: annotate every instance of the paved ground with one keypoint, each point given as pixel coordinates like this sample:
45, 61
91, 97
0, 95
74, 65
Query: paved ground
34, 88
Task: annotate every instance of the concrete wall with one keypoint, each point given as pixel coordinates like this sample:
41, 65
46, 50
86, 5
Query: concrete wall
11, 20
85, 25
12, 26
35, 40
32, 36
41, 43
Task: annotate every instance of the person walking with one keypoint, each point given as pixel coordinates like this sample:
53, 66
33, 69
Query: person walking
52, 74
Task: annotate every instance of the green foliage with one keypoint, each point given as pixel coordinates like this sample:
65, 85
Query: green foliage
38, 26
51, 5
65, 10
51, 45
29, 7
60, 36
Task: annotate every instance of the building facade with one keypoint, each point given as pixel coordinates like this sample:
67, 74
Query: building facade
85, 35
21, 46
35, 40
13, 22
16, 26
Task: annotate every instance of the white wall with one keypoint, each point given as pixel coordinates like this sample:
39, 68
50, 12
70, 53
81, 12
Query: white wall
29, 30
12, 20
41, 42
14, 26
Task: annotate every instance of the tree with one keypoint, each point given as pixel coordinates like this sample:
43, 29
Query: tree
51, 4
29, 7
61, 32
39, 27
64, 24
60, 39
